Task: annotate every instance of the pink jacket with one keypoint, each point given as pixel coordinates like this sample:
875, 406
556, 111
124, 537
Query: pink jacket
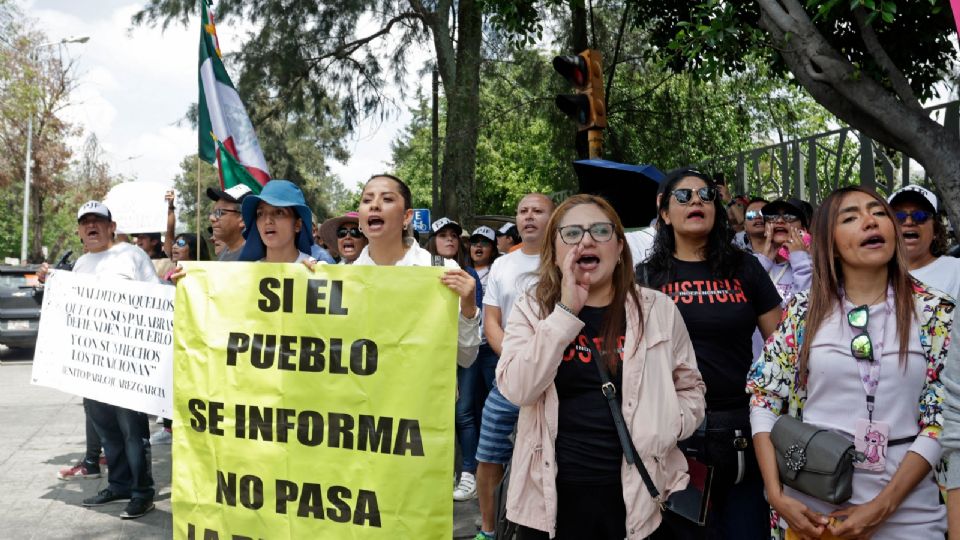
662, 402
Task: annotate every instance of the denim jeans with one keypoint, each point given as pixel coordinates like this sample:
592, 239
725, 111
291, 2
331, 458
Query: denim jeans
126, 442
473, 385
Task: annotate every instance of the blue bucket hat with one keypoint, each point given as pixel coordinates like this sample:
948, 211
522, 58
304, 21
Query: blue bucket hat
281, 193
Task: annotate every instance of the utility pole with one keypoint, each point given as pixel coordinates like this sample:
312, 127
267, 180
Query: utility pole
435, 144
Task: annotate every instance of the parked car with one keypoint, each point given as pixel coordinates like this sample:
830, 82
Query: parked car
20, 303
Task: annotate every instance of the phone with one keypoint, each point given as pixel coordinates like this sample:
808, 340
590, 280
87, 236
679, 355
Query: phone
785, 253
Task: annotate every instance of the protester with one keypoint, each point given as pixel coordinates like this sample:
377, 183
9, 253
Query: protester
385, 216
785, 230
508, 238
444, 240
723, 295
152, 245
124, 433
925, 239
510, 276
951, 430
754, 233
227, 221
317, 250
571, 481
343, 237
279, 224
860, 354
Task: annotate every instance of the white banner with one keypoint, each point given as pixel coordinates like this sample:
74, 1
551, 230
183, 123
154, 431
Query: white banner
107, 339
138, 207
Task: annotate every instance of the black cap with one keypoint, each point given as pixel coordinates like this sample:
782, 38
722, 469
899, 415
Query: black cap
789, 206
236, 194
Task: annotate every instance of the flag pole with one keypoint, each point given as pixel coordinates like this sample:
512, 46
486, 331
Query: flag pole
199, 236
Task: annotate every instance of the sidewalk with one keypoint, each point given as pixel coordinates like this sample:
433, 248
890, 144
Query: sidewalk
41, 431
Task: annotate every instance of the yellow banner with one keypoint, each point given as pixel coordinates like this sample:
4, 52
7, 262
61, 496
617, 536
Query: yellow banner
313, 405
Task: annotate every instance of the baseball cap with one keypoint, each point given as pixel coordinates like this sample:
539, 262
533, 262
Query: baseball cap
485, 232
505, 229
94, 207
234, 194
916, 191
445, 222
790, 206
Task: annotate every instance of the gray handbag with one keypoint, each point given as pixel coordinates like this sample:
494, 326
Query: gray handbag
814, 461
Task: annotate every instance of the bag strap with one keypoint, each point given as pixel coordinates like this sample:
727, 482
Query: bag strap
629, 453
436, 260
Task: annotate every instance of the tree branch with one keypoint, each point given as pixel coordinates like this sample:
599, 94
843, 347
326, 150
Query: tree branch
439, 24
346, 49
898, 82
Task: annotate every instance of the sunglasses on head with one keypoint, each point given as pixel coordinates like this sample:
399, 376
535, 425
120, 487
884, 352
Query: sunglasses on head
918, 216
342, 232
861, 347
685, 195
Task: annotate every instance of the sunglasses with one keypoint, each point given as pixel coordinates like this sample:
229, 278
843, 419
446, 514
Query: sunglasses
861, 347
481, 242
751, 215
218, 213
343, 232
685, 195
785, 218
181, 242
573, 234
918, 216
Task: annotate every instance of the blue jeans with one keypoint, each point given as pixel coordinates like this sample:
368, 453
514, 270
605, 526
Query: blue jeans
125, 435
473, 385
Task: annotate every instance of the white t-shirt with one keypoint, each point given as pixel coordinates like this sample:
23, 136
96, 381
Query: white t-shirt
641, 244
122, 260
510, 276
415, 256
943, 274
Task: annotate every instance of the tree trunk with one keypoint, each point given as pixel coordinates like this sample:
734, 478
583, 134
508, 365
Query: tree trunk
862, 102
463, 116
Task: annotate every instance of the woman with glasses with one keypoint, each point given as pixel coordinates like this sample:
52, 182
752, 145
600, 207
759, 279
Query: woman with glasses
925, 239
784, 253
586, 321
754, 232
861, 354
724, 295
343, 237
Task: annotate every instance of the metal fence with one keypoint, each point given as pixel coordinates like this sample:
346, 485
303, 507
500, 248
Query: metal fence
811, 167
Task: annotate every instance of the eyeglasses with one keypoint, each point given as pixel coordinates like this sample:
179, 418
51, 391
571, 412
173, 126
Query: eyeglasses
219, 212
181, 242
786, 218
918, 216
685, 195
751, 215
861, 347
342, 232
600, 232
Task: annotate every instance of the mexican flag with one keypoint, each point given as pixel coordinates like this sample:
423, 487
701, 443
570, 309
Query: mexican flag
223, 120
233, 173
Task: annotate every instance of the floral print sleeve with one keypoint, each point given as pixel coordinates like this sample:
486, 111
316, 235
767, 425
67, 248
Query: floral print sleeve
773, 378
936, 318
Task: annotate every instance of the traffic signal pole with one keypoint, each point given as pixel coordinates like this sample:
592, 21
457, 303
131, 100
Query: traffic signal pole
586, 107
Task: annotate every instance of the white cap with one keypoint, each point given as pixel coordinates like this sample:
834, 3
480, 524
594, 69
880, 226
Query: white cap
445, 222
921, 191
94, 207
505, 229
485, 232
234, 194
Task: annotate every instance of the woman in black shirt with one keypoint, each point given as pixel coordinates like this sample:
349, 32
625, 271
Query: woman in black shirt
723, 295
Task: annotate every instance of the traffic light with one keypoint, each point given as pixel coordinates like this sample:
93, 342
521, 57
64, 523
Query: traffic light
585, 71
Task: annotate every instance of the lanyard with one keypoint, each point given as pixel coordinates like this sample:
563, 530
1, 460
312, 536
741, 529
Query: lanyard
776, 280
870, 370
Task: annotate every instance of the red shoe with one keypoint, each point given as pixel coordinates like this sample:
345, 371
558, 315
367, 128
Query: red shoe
77, 472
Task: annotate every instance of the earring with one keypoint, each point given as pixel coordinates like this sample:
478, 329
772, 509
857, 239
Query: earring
404, 226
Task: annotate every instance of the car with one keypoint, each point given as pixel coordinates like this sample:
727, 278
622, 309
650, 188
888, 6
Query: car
20, 303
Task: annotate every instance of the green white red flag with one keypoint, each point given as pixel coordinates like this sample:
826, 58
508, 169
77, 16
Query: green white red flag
222, 116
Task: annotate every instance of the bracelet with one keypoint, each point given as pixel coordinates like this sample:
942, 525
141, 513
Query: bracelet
565, 308
171, 208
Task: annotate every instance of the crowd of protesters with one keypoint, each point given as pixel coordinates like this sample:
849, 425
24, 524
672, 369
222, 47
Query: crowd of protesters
596, 363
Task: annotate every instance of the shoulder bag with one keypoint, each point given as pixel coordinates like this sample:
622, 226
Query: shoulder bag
814, 461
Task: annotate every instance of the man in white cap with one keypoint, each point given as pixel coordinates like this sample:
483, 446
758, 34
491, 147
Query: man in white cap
508, 238
226, 220
925, 238
124, 433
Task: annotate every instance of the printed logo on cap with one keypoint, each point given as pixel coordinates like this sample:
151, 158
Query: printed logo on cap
505, 229
443, 222
485, 232
238, 191
919, 190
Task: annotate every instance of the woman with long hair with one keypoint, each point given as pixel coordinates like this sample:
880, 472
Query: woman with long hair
385, 217
861, 354
568, 476
724, 296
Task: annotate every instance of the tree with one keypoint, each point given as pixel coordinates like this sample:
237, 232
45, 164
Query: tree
869, 62
35, 85
309, 55
185, 184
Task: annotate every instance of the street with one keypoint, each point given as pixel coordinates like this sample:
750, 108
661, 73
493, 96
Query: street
41, 431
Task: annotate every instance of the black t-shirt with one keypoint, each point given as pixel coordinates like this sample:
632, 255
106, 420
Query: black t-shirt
721, 316
588, 450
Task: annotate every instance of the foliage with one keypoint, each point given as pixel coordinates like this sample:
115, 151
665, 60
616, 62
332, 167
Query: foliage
185, 184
